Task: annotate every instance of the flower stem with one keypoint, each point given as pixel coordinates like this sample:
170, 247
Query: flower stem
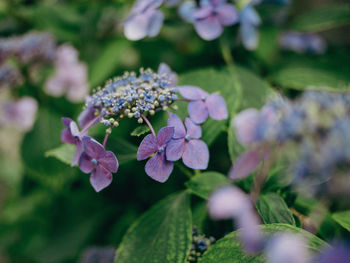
183, 99
105, 139
149, 125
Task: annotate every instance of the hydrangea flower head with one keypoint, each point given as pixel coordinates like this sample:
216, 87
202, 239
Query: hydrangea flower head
99, 162
157, 167
203, 104
212, 16
145, 20
185, 144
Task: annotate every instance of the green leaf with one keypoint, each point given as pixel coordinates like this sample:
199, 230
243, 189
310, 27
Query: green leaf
212, 80
273, 209
205, 183
162, 234
229, 249
140, 130
343, 219
125, 151
323, 18
64, 153
107, 61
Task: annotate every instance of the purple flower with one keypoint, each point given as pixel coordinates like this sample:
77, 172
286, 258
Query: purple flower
245, 124
212, 16
203, 104
165, 69
158, 167
145, 20
339, 253
249, 20
87, 116
72, 135
99, 162
187, 9
185, 144
230, 202
20, 113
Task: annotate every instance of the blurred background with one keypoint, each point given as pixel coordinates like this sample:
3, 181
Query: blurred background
48, 210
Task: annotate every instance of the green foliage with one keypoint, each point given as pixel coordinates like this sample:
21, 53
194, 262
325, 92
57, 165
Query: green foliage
140, 130
204, 184
323, 18
343, 219
273, 209
229, 249
162, 234
64, 153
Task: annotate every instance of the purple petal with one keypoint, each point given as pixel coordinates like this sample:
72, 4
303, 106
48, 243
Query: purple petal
245, 165
179, 128
66, 121
74, 129
147, 147
186, 11
198, 111
227, 14
158, 168
217, 107
155, 23
85, 164
245, 124
67, 137
194, 131
79, 150
250, 234
87, 116
203, 12
164, 135
109, 161
196, 154
175, 149
100, 178
93, 148
250, 36
136, 28
208, 28
165, 69
192, 92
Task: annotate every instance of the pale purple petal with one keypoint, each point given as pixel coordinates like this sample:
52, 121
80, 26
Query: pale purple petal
87, 115
147, 147
100, 178
79, 150
175, 149
158, 168
164, 135
67, 137
109, 161
93, 148
250, 235
155, 23
245, 165
179, 128
338, 253
192, 92
196, 155
217, 107
245, 124
250, 36
186, 11
203, 12
85, 164
66, 121
165, 69
198, 111
227, 14
74, 129
208, 28
194, 131
136, 28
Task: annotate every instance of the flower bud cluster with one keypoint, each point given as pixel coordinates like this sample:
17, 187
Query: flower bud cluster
199, 245
131, 96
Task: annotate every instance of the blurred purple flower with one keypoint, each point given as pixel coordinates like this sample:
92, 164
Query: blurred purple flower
339, 253
99, 162
249, 20
9, 76
303, 42
171, 3
87, 116
245, 124
245, 164
287, 247
165, 69
187, 9
72, 135
70, 77
212, 16
230, 202
158, 167
203, 104
185, 144
145, 20
20, 113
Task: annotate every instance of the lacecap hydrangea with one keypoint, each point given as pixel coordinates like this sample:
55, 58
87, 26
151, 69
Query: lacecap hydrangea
138, 97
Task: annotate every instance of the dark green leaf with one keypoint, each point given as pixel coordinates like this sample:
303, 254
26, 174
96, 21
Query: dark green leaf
229, 249
64, 153
323, 18
343, 218
140, 130
162, 234
205, 183
273, 209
